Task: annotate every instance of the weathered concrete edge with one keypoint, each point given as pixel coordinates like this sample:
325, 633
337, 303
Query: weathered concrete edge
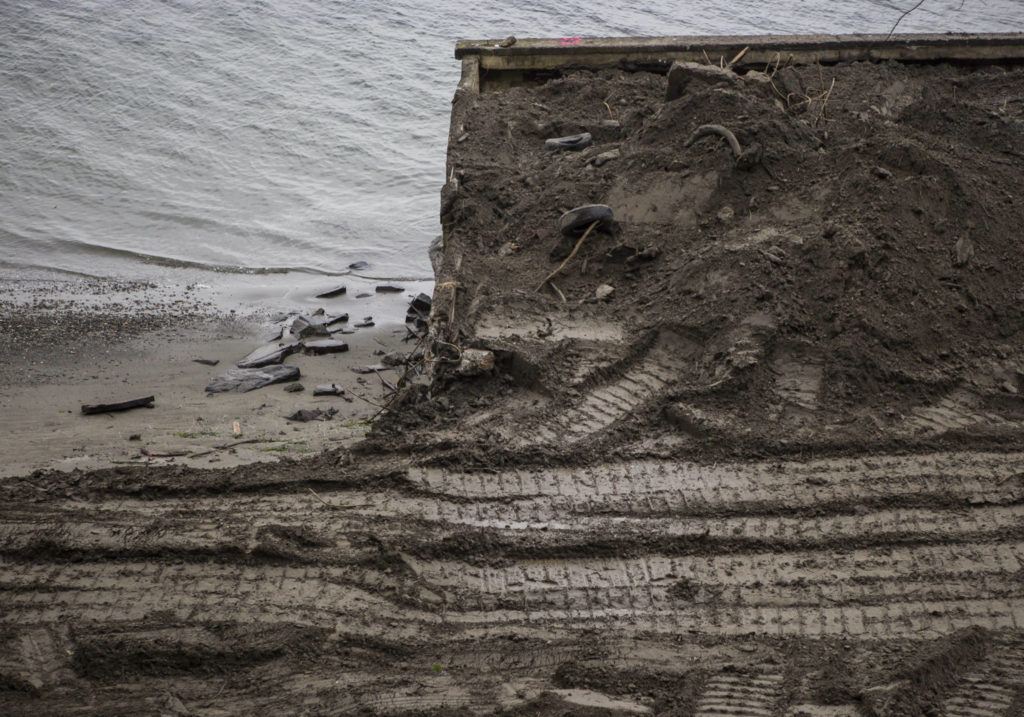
470, 80
551, 53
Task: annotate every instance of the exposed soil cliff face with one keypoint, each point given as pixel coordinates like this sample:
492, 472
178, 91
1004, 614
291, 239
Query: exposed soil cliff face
772, 473
860, 283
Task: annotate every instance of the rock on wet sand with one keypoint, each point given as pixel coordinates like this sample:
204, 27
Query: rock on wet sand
249, 379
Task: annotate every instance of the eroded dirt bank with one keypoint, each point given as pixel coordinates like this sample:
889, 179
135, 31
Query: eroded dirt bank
777, 472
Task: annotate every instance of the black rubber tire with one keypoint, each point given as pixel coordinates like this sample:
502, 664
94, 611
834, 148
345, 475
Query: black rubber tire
573, 143
575, 221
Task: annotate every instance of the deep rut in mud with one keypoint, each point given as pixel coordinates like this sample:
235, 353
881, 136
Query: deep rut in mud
894, 551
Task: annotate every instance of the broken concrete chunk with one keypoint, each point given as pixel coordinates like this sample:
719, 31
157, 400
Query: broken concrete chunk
576, 221
328, 389
337, 291
324, 346
268, 355
389, 289
475, 362
294, 388
272, 334
363, 324
604, 291
572, 143
242, 380
421, 304
420, 324
336, 320
357, 265
683, 76
758, 78
309, 326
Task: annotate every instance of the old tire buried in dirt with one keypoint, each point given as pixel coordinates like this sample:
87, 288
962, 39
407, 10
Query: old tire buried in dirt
575, 221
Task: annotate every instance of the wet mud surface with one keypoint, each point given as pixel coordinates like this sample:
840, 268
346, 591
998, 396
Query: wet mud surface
777, 473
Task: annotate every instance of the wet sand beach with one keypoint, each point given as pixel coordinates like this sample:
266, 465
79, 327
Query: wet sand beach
68, 344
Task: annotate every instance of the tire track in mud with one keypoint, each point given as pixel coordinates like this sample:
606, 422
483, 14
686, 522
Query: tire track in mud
934, 590
728, 695
719, 560
119, 592
663, 364
961, 410
289, 525
811, 482
990, 690
37, 658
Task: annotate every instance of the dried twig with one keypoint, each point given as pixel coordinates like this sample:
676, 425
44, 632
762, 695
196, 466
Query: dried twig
824, 102
248, 440
387, 384
558, 291
394, 395
575, 249
736, 59
364, 398
226, 446
317, 496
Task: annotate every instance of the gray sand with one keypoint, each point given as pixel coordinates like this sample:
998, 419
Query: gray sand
67, 344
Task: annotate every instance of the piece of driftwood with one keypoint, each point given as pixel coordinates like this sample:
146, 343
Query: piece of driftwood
146, 402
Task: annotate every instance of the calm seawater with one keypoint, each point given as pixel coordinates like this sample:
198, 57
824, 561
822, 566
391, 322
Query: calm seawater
253, 145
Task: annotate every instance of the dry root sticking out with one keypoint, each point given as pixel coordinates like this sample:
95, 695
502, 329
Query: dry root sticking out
575, 249
706, 129
745, 159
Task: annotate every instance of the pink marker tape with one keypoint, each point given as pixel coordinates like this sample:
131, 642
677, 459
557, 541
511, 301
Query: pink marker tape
571, 41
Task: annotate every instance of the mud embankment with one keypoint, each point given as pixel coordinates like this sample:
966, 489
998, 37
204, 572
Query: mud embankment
774, 472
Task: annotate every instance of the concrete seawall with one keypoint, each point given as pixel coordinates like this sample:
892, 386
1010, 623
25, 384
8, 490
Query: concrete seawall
487, 65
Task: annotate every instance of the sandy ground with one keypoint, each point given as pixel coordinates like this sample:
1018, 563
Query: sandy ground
48, 379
